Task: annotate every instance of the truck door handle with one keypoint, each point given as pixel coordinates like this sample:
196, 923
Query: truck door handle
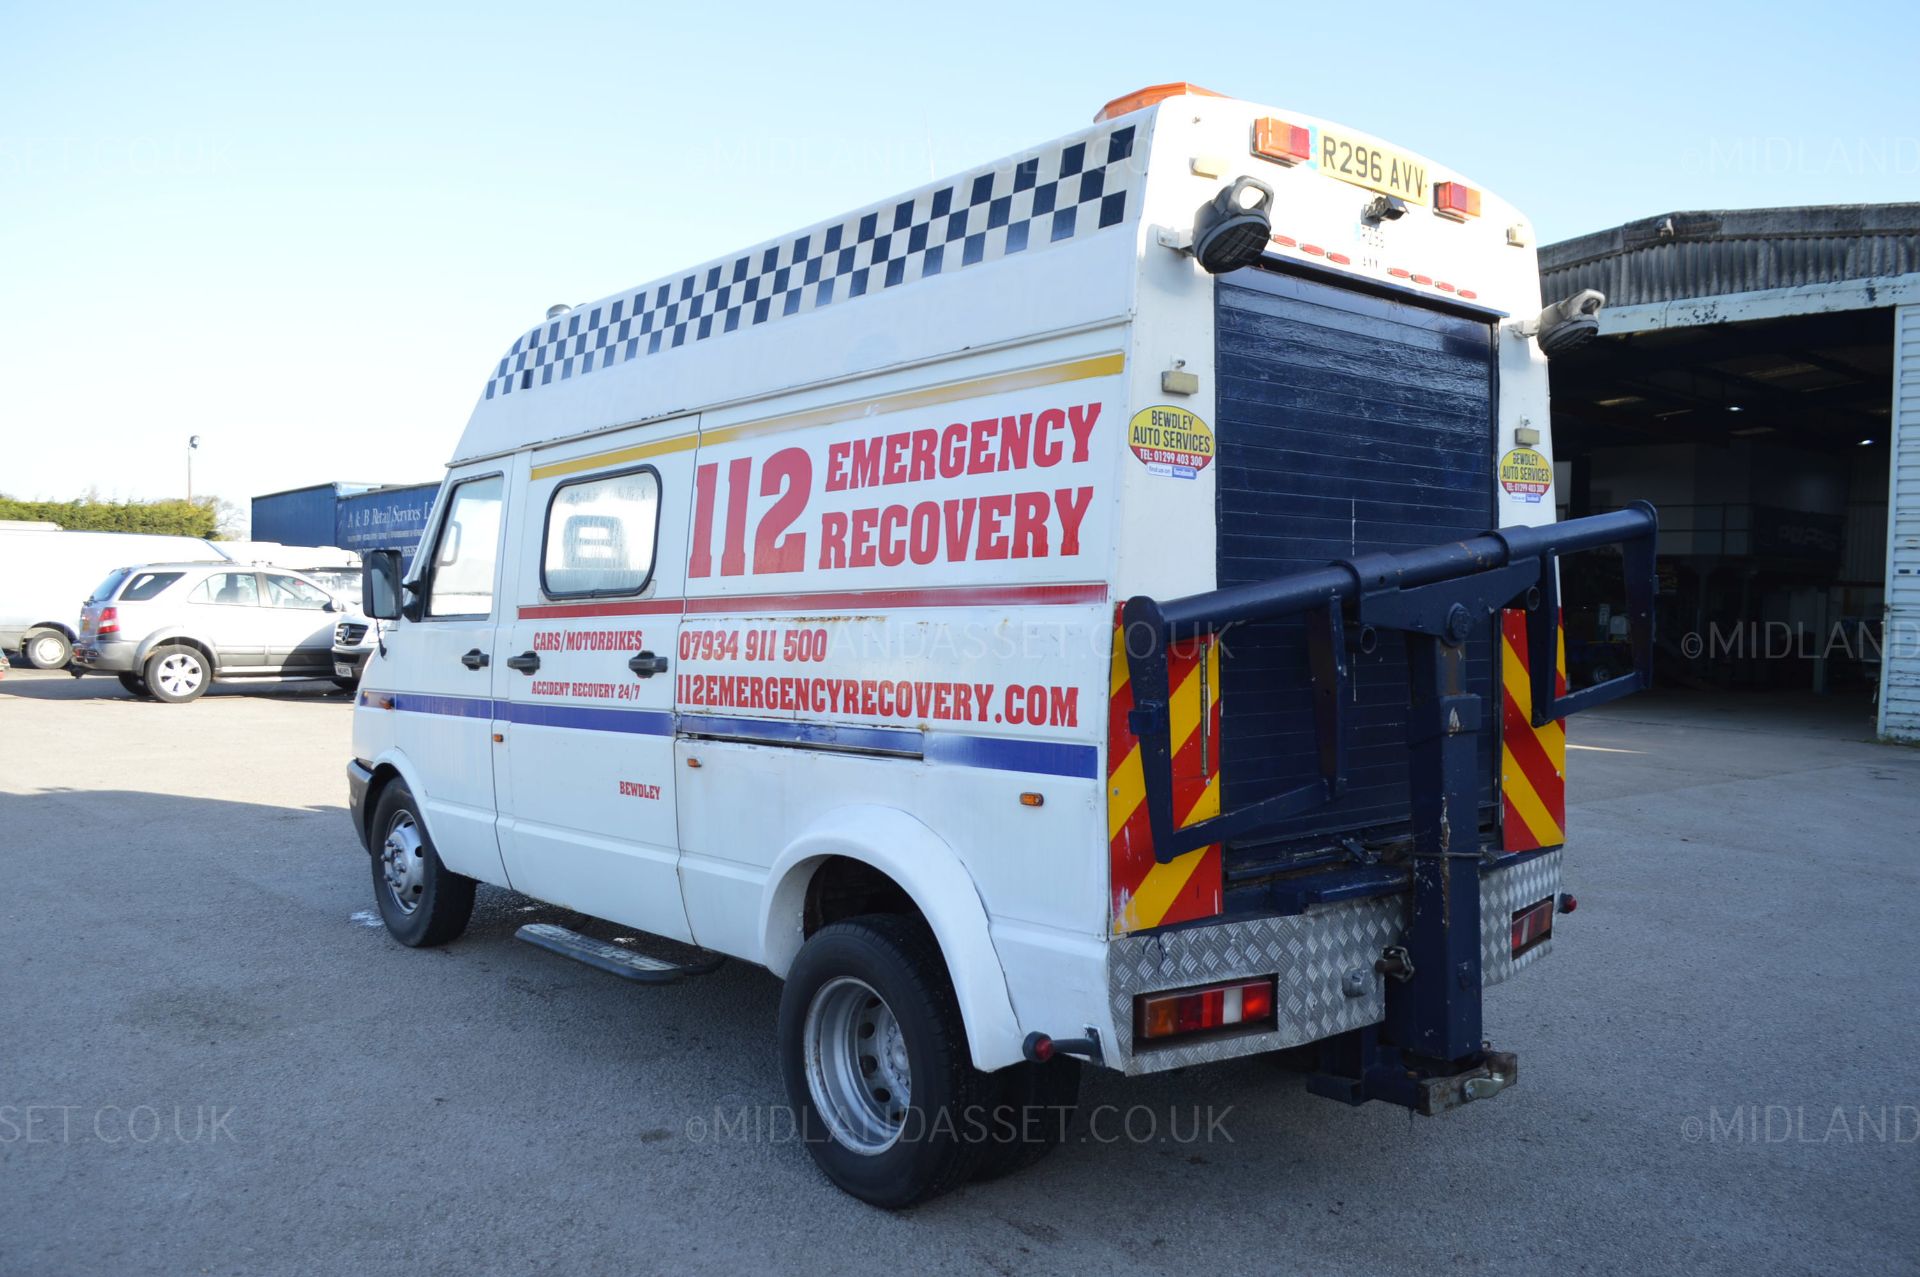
526, 662
646, 664
475, 660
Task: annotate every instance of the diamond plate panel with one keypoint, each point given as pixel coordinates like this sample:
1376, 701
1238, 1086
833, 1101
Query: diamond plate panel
1502, 892
1311, 952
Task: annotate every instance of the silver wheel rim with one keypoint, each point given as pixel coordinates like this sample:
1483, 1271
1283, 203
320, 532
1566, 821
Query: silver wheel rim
179, 674
857, 1068
403, 862
45, 652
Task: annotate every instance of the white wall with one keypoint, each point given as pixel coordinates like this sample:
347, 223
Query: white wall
1900, 667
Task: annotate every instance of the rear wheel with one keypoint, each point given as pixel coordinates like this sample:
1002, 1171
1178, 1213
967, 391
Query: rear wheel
136, 684
875, 1057
47, 649
422, 902
178, 674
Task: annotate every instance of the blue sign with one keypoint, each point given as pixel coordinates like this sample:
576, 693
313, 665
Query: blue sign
388, 519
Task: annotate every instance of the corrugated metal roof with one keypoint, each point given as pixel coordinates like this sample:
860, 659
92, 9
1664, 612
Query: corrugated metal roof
1716, 252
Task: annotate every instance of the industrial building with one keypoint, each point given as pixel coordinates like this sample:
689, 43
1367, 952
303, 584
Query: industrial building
1757, 377
353, 516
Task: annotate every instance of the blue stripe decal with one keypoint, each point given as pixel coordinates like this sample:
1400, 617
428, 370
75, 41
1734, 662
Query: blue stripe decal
456, 706
637, 722
1047, 758
785, 731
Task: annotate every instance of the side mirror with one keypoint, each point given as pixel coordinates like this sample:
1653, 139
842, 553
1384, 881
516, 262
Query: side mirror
380, 585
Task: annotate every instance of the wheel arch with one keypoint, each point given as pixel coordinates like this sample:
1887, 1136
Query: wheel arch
175, 638
916, 860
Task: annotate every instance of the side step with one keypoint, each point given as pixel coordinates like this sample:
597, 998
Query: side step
612, 958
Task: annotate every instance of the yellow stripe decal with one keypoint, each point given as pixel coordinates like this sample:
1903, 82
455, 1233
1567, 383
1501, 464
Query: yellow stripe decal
931, 396
1519, 792
1158, 889
618, 457
1126, 790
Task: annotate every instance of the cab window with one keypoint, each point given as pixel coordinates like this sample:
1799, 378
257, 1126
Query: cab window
240, 589
460, 580
291, 591
600, 535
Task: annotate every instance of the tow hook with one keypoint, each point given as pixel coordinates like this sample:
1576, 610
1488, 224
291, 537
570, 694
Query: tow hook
1497, 1071
1484, 1088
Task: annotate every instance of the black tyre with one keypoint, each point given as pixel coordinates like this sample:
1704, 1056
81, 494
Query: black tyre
875, 1058
346, 684
177, 674
1032, 1106
422, 902
137, 685
46, 649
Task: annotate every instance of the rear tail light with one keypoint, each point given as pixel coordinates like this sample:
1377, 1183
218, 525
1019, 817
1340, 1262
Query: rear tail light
1456, 200
1532, 925
109, 621
1285, 143
1240, 1004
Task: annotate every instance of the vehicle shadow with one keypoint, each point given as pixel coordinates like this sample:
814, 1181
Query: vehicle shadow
59, 685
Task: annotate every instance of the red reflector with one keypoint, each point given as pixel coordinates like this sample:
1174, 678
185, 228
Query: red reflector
1452, 199
1282, 142
1241, 1004
109, 621
1532, 925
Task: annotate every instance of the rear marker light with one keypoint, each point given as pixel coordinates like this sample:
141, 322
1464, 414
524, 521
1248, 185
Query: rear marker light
1532, 925
1281, 142
1241, 1004
1455, 200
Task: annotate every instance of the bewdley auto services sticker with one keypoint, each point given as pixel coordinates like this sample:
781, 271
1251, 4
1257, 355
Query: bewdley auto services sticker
1170, 441
1526, 474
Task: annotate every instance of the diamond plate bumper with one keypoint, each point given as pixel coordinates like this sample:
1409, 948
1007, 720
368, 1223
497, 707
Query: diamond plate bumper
1313, 954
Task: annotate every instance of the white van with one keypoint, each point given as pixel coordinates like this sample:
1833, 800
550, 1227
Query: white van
933, 606
45, 573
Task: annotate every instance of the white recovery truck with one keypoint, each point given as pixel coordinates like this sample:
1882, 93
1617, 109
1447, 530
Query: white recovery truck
1100, 607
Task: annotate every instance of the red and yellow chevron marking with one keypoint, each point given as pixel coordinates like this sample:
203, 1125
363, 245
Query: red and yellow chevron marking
1147, 893
1533, 760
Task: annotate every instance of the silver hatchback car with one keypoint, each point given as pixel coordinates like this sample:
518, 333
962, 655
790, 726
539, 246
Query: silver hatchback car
169, 630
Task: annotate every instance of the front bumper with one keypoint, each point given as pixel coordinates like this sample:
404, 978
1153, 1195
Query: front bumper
359, 781
1324, 958
349, 663
92, 656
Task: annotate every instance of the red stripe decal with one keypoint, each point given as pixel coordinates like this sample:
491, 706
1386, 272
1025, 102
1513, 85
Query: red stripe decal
944, 596
635, 607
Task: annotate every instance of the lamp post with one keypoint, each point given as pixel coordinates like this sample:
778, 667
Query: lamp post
193, 442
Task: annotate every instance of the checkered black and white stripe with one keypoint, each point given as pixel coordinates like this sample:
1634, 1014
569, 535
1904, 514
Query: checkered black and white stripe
1065, 192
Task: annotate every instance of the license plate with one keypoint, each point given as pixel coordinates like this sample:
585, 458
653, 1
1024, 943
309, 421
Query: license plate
1371, 165
342, 670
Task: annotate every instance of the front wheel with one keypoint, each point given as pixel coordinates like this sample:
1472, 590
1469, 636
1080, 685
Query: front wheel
422, 902
875, 1058
178, 674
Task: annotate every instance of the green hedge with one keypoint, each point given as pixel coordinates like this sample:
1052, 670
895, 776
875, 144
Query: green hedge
196, 518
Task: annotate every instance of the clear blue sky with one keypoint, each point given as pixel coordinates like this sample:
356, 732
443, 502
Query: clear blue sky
305, 232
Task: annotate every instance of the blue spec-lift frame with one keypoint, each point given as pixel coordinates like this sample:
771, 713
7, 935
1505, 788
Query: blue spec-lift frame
1428, 1053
